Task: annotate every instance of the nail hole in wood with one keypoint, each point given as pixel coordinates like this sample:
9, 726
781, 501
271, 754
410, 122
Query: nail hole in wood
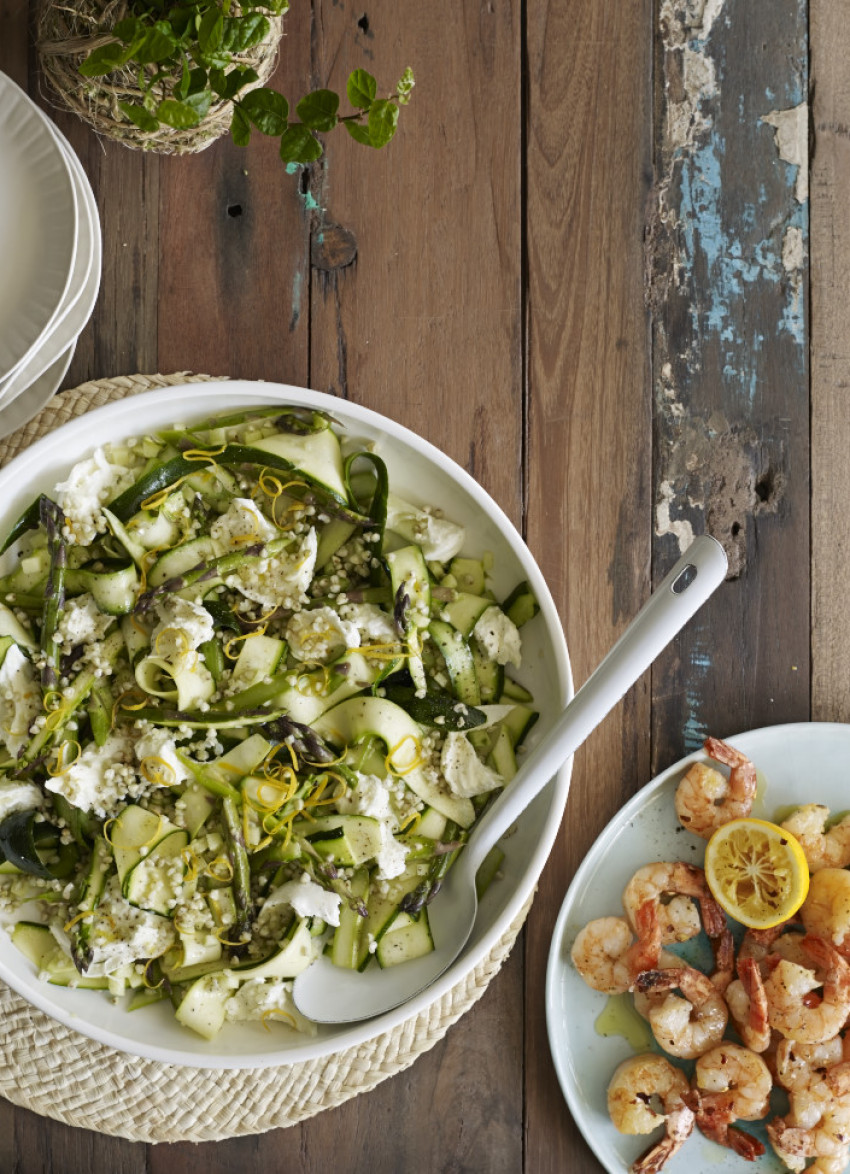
765, 486
304, 182
234, 210
363, 23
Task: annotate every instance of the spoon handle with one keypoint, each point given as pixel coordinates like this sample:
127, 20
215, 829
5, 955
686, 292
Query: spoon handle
684, 590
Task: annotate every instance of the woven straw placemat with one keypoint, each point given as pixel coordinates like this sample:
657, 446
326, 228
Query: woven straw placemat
58, 1073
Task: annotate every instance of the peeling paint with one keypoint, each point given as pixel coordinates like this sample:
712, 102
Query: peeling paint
793, 261
791, 132
297, 283
694, 730
681, 529
793, 249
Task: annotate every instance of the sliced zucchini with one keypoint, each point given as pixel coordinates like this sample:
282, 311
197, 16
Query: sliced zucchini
38, 944
350, 945
259, 657
521, 606
181, 559
202, 1007
374, 717
135, 833
315, 453
464, 611
413, 940
350, 840
469, 573
459, 662
295, 955
156, 881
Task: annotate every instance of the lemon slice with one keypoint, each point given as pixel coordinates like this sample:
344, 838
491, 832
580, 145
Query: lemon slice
756, 871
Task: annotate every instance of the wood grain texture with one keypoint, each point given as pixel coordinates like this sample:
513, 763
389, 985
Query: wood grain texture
416, 296
830, 375
728, 289
233, 248
588, 168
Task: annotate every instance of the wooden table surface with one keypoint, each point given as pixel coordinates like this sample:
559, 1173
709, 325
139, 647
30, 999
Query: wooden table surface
587, 270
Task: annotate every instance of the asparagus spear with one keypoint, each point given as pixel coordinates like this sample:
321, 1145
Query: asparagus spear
53, 520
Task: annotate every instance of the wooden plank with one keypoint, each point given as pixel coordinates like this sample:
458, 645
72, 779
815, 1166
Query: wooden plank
729, 223
14, 41
417, 313
38, 1145
830, 374
233, 249
589, 155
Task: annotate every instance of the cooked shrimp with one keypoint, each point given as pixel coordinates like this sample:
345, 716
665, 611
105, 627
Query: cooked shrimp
796, 1144
609, 959
732, 1084
826, 909
800, 1065
823, 849
645, 1000
758, 943
678, 919
646, 1091
706, 798
747, 1005
685, 1027
818, 1122
787, 987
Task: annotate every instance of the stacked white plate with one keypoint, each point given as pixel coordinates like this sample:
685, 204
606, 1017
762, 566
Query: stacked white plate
50, 256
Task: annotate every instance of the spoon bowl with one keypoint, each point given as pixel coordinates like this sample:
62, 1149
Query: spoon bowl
329, 994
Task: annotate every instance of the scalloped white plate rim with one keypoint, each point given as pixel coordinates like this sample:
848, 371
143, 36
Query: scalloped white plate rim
37, 469
44, 167
79, 300
584, 1060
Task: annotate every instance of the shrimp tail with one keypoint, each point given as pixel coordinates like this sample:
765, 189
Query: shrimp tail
680, 1124
792, 1144
721, 751
757, 1018
645, 952
724, 959
714, 1115
744, 1144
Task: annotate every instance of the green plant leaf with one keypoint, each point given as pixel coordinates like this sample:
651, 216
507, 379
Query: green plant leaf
210, 31
267, 109
240, 128
275, 7
105, 59
127, 29
405, 84
198, 81
383, 120
359, 132
200, 102
318, 110
182, 87
361, 89
138, 115
298, 145
157, 45
180, 115
242, 32
228, 85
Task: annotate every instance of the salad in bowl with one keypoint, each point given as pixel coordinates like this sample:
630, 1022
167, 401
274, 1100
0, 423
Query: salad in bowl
253, 699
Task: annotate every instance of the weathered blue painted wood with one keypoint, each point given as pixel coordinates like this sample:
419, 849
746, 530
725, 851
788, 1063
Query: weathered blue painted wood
727, 278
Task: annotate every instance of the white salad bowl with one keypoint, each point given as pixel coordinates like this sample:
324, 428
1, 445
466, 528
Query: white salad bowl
422, 474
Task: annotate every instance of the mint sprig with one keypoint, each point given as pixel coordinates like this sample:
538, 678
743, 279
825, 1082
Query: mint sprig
183, 54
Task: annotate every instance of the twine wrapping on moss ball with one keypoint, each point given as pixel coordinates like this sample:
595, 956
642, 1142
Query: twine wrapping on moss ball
68, 32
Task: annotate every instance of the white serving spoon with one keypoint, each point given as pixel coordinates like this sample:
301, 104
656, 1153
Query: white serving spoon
329, 994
